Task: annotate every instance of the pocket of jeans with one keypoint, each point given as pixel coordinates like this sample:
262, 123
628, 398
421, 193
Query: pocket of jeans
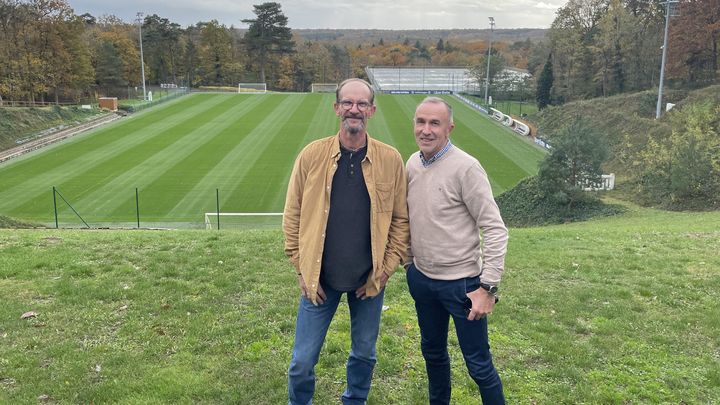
471, 284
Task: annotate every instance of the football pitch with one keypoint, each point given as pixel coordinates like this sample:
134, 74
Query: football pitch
185, 156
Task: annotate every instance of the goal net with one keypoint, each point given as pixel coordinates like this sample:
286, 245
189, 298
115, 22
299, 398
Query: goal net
243, 220
323, 87
252, 88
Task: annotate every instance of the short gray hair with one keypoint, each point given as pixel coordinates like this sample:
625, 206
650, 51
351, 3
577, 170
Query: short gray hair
438, 100
354, 79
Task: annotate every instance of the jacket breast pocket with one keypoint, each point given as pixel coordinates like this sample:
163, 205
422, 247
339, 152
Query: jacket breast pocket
384, 196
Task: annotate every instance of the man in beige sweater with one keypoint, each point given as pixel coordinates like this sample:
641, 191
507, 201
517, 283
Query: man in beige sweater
451, 270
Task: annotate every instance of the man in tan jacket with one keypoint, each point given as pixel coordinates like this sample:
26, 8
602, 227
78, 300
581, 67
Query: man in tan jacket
346, 230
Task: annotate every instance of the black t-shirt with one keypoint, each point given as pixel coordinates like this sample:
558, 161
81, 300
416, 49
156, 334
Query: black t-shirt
347, 256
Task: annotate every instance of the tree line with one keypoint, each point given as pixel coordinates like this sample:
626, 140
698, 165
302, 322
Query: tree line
598, 48
593, 48
48, 53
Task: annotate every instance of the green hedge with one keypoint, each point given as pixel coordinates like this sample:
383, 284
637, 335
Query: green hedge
526, 205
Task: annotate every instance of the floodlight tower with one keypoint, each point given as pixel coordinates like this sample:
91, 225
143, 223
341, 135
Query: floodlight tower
142, 60
487, 72
664, 57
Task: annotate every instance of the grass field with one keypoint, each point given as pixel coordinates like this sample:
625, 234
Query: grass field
622, 310
177, 154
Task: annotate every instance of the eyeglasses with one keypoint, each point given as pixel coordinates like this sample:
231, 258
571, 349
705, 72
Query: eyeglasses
361, 105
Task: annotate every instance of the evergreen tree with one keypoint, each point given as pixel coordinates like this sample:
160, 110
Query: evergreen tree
574, 162
544, 85
268, 34
109, 69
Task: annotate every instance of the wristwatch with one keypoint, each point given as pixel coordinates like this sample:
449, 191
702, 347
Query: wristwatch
491, 289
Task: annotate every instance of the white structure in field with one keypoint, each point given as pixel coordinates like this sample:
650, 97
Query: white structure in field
252, 88
240, 219
323, 87
607, 182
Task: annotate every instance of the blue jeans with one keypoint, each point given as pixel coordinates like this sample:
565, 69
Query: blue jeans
435, 302
311, 328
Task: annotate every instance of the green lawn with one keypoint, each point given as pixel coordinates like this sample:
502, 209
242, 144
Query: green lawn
178, 153
622, 310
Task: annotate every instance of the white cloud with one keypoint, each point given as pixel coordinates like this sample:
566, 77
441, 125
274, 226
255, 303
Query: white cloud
547, 6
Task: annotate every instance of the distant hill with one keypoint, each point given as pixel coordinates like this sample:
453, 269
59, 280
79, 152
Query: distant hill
355, 37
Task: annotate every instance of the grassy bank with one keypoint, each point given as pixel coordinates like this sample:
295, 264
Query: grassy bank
618, 310
626, 121
19, 123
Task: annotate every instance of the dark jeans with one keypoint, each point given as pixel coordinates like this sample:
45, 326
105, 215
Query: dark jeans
435, 302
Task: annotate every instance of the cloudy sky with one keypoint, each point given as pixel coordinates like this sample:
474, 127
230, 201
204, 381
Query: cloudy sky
370, 14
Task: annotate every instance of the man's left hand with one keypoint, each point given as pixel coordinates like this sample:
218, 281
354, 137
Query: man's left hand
382, 280
482, 304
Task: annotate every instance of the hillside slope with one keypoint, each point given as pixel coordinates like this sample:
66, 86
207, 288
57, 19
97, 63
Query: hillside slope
27, 123
627, 121
619, 310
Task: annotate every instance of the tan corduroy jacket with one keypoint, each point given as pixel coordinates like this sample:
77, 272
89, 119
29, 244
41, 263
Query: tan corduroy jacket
308, 204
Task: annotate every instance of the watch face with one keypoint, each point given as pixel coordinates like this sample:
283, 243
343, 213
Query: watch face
493, 289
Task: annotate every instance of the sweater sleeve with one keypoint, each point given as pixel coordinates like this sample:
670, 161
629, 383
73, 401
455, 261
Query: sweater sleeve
478, 197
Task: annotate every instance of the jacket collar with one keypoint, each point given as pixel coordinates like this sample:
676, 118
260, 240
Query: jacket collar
335, 150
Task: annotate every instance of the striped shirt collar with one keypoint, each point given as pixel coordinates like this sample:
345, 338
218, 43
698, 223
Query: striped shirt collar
437, 156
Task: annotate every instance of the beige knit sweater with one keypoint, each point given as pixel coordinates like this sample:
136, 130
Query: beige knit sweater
450, 204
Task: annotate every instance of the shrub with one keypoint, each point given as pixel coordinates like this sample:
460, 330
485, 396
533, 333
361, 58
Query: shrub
528, 205
683, 171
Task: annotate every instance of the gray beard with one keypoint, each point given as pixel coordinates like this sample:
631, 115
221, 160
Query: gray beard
353, 130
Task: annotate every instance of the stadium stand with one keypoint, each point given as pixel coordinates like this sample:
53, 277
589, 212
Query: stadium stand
427, 79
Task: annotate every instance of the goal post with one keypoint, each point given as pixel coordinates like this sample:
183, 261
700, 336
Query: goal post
252, 88
323, 87
243, 220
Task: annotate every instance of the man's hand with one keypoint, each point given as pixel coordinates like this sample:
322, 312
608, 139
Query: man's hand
382, 280
321, 297
482, 304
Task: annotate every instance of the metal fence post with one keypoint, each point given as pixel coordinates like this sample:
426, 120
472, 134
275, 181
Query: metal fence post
137, 207
217, 205
55, 208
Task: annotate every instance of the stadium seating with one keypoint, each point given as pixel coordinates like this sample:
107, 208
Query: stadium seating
421, 79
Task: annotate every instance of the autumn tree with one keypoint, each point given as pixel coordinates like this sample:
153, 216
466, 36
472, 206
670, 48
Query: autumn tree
268, 35
573, 34
215, 54
161, 48
497, 64
41, 50
694, 54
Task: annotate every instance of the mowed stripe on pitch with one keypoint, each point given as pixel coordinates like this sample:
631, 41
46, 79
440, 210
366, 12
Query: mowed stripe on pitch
229, 172
149, 160
178, 153
323, 123
78, 166
191, 158
261, 185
